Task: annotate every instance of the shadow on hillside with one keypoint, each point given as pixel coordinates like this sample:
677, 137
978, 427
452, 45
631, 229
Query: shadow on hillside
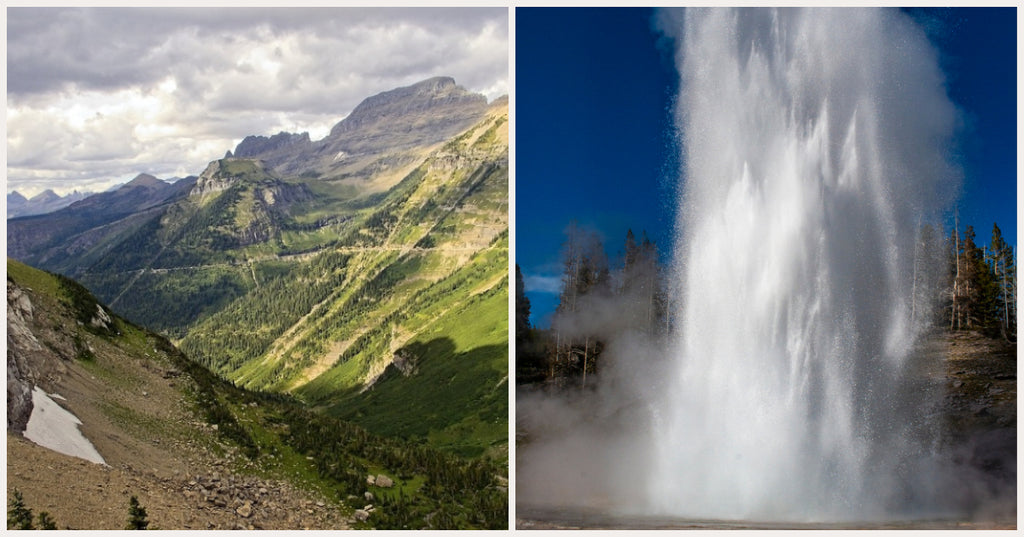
432, 386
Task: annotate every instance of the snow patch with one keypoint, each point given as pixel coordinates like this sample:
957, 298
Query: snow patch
53, 427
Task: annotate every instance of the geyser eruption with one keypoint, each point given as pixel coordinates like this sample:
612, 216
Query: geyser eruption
815, 145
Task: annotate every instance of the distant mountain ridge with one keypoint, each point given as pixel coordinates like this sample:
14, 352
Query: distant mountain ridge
145, 180
367, 152
46, 201
41, 239
49, 201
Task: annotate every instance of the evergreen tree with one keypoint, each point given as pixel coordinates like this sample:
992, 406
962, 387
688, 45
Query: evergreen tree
530, 365
46, 522
136, 515
522, 306
1005, 276
19, 517
977, 298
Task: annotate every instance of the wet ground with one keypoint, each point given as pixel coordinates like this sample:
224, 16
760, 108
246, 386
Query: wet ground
528, 518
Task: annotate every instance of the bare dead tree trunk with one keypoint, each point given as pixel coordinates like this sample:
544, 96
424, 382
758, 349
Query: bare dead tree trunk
586, 348
955, 316
558, 344
913, 288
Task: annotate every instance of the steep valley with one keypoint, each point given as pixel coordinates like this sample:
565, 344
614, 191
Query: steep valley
140, 404
338, 316
198, 452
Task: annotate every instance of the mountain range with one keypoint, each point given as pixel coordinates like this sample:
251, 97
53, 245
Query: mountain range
46, 201
363, 275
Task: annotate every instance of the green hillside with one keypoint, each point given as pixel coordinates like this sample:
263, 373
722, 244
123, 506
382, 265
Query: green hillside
354, 292
428, 262
133, 377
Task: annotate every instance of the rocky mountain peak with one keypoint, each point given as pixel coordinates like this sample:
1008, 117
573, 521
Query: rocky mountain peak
253, 146
45, 196
213, 179
392, 122
144, 180
435, 95
15, 203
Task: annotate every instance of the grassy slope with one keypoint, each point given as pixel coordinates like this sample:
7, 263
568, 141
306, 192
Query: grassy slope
272, 435
453, 398
402, 278
190, 257
457, 395
346, 279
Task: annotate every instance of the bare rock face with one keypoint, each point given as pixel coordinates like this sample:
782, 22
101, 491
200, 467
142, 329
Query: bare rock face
211, 181
418, 115
376, 133
437, 102
19, 398
254, 146
405, 362
19, 340
384, 481
28, 359
101, 320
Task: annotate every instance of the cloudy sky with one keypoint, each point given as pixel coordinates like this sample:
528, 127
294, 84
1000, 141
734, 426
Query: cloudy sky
97, 96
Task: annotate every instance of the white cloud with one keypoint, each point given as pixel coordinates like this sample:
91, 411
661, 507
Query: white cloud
96, 94
543, 284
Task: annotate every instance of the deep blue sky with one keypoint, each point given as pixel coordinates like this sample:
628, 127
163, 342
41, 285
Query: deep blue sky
594, 92
593, 134
977, 48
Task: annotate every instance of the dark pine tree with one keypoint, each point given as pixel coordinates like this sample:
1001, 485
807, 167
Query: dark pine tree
137, 517
46, 522
530, 366
19, 517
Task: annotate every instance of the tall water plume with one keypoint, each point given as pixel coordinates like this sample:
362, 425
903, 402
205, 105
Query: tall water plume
815, 146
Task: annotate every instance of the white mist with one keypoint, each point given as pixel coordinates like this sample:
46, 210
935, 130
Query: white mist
815, 145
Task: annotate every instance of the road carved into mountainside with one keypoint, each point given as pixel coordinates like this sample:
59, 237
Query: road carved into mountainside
290, 258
